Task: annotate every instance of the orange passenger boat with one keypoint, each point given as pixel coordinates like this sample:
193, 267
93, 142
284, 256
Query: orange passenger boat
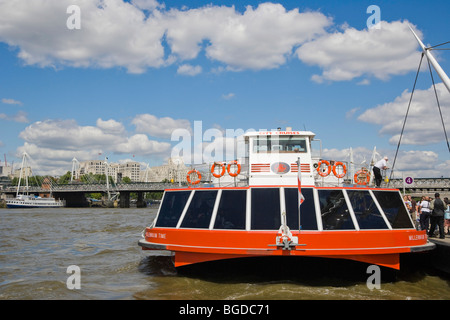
284, 202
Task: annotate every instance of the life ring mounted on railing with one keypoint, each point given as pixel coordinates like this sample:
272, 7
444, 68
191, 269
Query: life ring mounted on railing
362, 177
213, 169
319, 168
197, 173
344, 170
238, 170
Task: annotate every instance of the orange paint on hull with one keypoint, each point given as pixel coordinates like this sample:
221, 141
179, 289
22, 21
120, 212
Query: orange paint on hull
381, 247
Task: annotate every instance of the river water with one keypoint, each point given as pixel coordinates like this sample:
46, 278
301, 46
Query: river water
39, 245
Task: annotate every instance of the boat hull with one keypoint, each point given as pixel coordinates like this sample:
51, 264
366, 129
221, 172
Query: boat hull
31, 206
37, 203
380, 247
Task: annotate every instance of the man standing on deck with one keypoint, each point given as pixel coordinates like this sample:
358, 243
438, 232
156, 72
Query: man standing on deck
437, 216
380, 165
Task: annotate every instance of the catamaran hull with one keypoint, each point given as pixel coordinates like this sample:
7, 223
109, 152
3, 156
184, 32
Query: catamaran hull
374, 247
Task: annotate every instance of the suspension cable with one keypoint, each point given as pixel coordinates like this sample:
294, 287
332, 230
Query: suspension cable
439, 106
406, 116
441, 44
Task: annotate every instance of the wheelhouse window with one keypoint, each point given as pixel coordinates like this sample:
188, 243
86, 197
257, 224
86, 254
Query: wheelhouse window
366, 211
279, 144
171, 208
231, 211
265, 209
198, 215
308, 212
334, 211
392, 204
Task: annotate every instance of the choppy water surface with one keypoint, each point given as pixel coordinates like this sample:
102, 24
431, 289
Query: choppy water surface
37, 246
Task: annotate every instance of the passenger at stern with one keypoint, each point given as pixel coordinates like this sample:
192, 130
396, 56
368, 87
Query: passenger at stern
380, 165
437, 216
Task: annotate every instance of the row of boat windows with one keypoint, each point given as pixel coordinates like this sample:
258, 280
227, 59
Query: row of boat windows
337, 209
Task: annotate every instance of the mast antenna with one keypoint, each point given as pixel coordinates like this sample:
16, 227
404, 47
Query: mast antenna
433, 61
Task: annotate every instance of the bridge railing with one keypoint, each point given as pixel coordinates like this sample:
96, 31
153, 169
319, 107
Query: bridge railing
92, 188
422, 183
418, 183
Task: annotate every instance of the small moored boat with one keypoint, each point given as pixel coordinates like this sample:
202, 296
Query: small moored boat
25, 200
29, 201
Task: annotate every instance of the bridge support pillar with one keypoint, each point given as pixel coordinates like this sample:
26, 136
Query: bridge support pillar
140, 200
124, 199
73, 199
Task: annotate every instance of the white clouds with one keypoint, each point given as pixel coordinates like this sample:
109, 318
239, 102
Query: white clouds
143, 34
423, 125
115, 33
11, 101
415, 163
228, 96
159, 127
189, 70
56, 142
111, 126
20, 116
346, 55
260, 38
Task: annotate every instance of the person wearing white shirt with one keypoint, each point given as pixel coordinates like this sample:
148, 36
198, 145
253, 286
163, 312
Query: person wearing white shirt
380, 165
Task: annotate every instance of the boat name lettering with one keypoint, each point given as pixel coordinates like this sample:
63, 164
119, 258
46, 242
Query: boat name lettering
156, 235
265, 133
417, 237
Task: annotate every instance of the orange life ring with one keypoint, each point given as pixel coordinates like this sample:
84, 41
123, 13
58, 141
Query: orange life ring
234, 174
323, 174
344, 170
213, 167
188, 177
364, 181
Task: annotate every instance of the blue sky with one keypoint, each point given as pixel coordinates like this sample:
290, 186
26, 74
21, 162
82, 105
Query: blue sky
137, 70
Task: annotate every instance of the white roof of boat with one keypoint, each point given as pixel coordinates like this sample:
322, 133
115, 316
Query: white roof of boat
279, 132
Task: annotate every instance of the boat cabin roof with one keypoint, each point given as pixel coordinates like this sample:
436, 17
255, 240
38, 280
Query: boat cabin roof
279, 132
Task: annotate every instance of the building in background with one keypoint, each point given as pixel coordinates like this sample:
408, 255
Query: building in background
174, 171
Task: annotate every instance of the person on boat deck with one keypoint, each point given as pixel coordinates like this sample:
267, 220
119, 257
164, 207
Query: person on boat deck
437, 216
425, 213
380, 165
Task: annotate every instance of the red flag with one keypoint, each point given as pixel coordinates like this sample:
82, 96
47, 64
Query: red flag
301, 198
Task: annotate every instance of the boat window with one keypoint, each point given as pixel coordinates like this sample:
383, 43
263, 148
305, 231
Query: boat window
171, 208
308, 211
279, 144
392, 204
334, 210
231, 211
265, 209
366, 211
200, 210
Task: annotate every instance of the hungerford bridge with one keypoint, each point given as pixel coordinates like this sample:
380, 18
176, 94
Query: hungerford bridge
74, 194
